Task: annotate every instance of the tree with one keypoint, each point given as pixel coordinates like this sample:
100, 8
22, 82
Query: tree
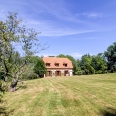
93, 64
110, 55
99, 63
61, 56
15, 35
40, 68
86, 64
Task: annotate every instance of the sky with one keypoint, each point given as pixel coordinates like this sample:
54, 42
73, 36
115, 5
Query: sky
69, 27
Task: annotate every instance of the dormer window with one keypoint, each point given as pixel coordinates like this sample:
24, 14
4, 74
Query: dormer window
65, 64
57, 64
48, 64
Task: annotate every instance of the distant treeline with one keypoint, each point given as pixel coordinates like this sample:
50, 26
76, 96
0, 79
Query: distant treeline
95, 64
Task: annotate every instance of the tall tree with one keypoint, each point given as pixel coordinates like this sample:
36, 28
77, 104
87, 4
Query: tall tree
40, 67
110, 55
15, 35
99, 63
86, 64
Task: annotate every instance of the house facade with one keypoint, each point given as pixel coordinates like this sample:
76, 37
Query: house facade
58, 66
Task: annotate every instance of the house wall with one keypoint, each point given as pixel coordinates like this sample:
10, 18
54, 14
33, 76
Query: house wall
59, 72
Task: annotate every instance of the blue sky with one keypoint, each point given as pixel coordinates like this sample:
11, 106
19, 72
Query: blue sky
73, 27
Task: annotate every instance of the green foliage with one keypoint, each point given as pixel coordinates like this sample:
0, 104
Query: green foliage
85, 64
79, 72
92, 64
99, 63
2, 89
29, 76
40, 68
34, 59
89, 64
61, 55
110, 55
14, 35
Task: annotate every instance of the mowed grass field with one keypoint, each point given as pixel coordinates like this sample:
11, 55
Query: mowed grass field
88, 95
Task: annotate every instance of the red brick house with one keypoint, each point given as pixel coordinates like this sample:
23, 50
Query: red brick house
58, 66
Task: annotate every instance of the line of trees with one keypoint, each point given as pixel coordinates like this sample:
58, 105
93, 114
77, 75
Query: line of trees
96, 64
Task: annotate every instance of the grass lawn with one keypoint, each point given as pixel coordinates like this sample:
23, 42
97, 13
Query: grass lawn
92, 95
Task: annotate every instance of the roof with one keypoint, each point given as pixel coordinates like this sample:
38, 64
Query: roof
58, 60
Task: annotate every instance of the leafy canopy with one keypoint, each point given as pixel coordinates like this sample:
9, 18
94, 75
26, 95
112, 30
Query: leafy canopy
40, 67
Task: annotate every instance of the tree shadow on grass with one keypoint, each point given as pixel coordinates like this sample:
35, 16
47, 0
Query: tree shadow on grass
4, 112
21, 87
109, 112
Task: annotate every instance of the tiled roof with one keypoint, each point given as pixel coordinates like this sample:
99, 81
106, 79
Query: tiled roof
57, 60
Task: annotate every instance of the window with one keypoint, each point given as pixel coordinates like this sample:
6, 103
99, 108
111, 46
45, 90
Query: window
65, 65
48, 64
57, 64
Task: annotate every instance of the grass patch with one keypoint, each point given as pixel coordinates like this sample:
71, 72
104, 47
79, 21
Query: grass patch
92, 95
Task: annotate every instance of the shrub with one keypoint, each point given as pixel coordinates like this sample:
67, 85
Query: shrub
40, 68
29, 76
79, 72
105, 71
86, 71
99, 72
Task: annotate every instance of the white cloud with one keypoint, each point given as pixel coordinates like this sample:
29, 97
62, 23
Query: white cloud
61, 32
91, 15
49, 28
65, 22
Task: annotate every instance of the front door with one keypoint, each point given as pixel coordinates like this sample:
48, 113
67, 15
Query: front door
58, 73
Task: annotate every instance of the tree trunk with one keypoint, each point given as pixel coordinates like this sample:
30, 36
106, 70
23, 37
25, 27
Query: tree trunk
13, 85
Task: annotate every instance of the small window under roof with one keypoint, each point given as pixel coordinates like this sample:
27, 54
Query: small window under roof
57, 64
48, 64
65, 64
